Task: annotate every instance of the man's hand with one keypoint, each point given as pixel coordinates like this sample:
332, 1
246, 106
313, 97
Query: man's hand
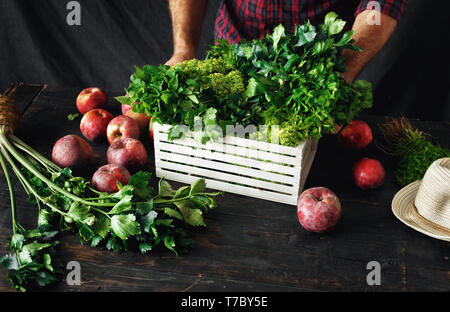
370, 38
179, 58
187, 20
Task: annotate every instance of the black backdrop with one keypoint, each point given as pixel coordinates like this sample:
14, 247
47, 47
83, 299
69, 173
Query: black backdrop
411, 75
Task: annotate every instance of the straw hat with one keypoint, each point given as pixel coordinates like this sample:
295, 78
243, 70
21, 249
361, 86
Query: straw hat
424, 205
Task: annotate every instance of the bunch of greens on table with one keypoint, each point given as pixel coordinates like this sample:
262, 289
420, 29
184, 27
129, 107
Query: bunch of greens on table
414, 149
290, 79
137, 216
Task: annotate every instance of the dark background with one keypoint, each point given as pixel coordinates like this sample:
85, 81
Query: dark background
411, 76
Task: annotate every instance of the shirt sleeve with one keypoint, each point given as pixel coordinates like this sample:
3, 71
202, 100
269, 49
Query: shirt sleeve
393, 8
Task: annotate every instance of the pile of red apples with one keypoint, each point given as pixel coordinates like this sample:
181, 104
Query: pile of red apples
318, 208
125, 154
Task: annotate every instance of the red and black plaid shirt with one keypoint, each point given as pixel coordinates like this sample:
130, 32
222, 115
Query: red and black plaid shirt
249, 19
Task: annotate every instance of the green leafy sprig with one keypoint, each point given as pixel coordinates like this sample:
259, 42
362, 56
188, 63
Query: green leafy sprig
32, 262
414, 149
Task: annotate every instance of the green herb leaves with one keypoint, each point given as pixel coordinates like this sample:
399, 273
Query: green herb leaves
137, 211
177, 95
414, 149
277, 34
332, 24
305, 34
80, 214
293, 80
137, 215
31, 262
125, 226
73, 116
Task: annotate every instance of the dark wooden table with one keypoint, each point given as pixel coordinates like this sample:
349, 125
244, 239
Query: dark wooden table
250, 244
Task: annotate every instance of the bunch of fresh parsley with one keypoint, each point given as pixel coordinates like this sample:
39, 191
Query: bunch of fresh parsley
290, 79
137, 216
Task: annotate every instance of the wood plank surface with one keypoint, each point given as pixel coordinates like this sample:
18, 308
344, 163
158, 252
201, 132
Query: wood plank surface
250, 244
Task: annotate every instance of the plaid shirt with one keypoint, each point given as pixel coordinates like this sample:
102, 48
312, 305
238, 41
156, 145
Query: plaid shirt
249, 19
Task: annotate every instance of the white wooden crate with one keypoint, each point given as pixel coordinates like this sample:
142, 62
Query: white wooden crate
236, 165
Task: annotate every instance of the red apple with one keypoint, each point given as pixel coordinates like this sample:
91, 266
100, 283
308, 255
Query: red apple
129, 153
94, 123
106, 177
150, 131
91, 98
142, 119
122, 127
356, 135
318, 209
72, 151
125, 108
368, 173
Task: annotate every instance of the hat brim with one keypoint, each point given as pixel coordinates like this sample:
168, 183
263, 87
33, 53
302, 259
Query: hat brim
404, 209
